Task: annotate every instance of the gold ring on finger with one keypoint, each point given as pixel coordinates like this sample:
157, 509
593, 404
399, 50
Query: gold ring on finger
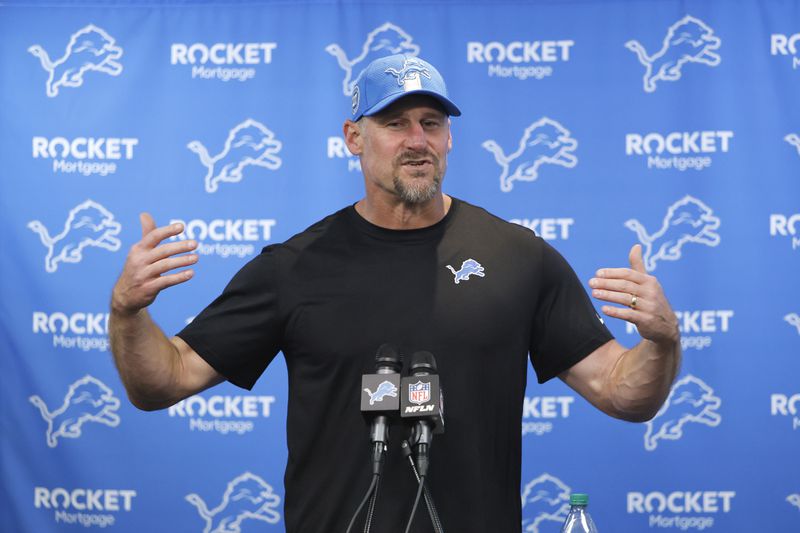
634, 299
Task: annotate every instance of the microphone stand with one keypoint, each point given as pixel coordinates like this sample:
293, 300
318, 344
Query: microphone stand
374, 497
388, 362
434, 515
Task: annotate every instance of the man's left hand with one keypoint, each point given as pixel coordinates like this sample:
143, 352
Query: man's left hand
643, 299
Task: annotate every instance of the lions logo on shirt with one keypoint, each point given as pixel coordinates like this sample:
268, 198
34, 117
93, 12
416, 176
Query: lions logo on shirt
468, 268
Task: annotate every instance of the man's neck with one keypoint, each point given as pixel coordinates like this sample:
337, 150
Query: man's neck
391, 213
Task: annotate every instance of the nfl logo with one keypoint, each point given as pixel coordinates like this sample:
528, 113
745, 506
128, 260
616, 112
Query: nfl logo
419, 392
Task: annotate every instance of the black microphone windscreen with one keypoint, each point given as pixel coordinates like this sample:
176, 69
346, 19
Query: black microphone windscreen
423, 361
387, 354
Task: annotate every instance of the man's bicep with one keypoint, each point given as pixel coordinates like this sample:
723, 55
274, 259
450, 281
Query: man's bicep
196, 374
589, 376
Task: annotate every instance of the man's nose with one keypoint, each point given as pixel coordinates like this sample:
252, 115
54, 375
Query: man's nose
416, 138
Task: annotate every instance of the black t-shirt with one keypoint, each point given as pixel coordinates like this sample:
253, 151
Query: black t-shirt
479, 293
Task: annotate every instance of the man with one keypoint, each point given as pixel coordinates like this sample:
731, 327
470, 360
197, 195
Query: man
410, 265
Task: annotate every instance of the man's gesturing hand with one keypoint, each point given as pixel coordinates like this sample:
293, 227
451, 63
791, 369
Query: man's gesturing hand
643, 298
144, 274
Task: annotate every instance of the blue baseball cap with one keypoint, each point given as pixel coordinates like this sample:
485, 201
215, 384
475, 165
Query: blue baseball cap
390, 78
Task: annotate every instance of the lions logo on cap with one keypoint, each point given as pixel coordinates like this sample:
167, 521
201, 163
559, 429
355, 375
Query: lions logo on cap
409, 75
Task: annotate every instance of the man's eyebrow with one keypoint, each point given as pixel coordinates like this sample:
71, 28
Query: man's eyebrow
394, 114
389, 115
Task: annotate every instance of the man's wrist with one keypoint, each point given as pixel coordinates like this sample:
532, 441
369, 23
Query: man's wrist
119, 309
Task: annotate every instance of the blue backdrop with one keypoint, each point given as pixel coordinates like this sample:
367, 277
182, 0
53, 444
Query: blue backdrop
598, 124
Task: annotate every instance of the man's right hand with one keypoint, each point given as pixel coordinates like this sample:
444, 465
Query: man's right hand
145, 272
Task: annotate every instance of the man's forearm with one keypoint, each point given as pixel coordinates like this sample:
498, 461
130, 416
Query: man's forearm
640, 381
147, 361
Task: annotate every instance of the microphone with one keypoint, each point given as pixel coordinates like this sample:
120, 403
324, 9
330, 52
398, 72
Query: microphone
422, 403
379, 400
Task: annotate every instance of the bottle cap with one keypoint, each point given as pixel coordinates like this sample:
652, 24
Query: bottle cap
579, 499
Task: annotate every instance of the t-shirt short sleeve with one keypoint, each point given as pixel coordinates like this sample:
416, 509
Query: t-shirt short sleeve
566, 326
241, 331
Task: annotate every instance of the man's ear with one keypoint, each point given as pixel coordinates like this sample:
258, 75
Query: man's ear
353, 137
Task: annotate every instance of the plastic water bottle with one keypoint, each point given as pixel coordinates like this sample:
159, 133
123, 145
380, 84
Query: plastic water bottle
578, 519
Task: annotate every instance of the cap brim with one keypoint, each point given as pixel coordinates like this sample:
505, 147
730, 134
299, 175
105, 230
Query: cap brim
451, 108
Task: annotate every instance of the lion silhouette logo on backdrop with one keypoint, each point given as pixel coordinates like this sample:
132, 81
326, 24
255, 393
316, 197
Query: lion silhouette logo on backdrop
89, 49
687, 220
385, 40
545, 142
87, 400
247, 497
690, 40
250, 143
691, 400
545, 504
88, 224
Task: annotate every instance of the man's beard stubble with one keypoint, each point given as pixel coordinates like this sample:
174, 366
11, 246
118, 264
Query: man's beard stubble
417, 191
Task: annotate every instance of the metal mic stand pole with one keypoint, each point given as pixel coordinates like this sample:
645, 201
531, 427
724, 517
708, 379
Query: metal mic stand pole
437, 524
